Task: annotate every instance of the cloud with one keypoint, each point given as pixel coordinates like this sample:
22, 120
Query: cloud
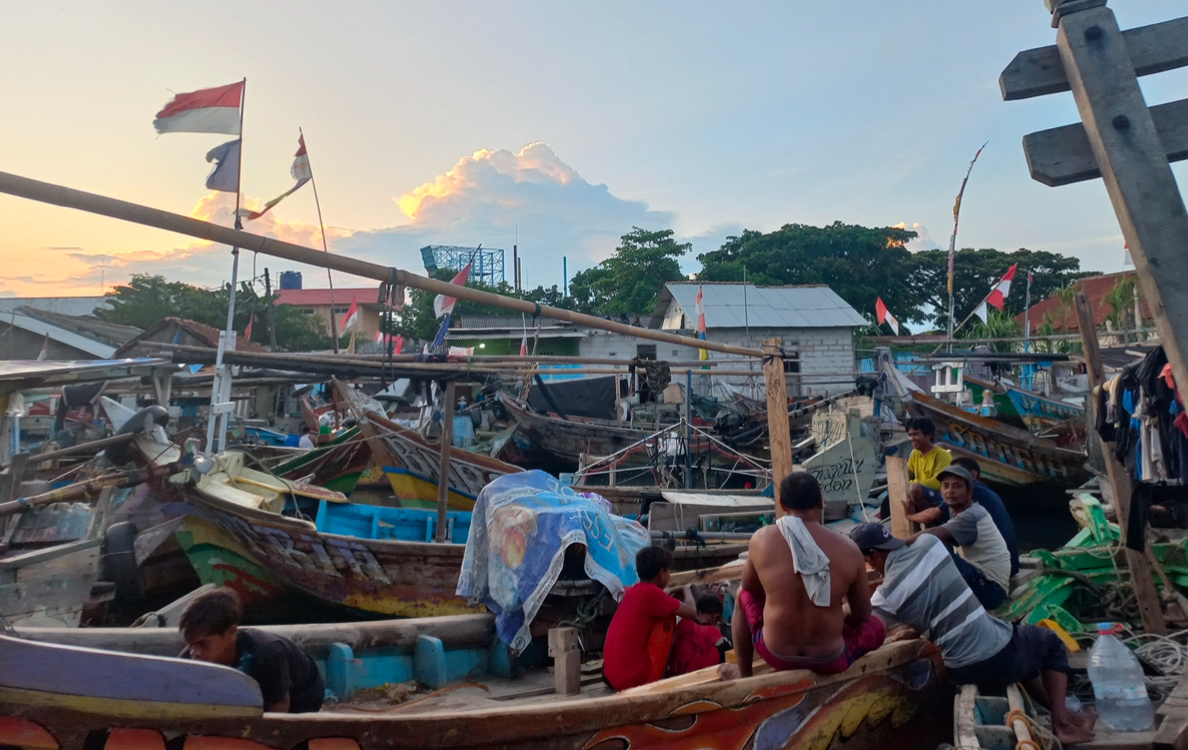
493, 197
923, 239
62, 247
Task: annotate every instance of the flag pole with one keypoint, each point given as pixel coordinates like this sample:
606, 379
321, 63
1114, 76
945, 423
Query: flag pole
953, 243
325, 248
216, 424
1027, 317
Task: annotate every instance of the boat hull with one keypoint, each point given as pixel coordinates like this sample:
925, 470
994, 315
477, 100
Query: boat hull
895, 702
336, 466
263, 554
1006, 455
571, 439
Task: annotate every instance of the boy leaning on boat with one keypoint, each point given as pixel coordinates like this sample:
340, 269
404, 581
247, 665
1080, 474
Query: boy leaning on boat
927, 460
288, 676
923, 589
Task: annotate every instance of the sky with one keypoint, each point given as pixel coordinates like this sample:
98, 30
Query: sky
557, 125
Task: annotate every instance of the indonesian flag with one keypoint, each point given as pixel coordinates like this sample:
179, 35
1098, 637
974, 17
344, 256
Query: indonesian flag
247, 333
207, 111
703, 353
300, 172
524, 344
443, 305
44, 353
352, 317
885, 316
997, 296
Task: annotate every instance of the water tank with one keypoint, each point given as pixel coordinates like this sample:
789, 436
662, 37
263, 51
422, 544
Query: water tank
290, 280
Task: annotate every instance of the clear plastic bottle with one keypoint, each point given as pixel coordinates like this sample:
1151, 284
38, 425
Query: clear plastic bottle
1118, 684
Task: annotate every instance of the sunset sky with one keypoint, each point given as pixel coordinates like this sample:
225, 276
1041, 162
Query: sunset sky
461, 122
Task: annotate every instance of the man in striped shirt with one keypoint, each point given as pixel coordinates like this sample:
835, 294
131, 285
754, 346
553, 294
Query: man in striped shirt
923, 589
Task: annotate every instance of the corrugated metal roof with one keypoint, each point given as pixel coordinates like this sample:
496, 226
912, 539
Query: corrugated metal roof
508, 322
765, 307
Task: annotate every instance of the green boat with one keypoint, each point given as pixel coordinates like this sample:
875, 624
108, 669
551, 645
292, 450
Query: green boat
337, 465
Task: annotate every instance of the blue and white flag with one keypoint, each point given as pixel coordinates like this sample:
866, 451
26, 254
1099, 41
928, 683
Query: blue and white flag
225, 175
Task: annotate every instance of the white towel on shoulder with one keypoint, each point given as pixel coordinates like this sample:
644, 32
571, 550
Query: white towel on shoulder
808, 559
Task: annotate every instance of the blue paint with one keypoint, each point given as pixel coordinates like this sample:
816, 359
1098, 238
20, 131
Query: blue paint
377, 522
339, 672
429, 662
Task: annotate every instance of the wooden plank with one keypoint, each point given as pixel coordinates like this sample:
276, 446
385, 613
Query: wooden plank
778, 430
443, 467
1118, 478
79, 563
1152, 49
897, 495
1173, 730
34, 557
567, 660
965, 717
1134, 168
1061, 156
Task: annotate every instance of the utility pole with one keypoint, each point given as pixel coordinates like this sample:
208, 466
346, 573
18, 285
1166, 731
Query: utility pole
271, 311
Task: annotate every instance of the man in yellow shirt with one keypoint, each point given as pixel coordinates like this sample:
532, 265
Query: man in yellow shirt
925, 504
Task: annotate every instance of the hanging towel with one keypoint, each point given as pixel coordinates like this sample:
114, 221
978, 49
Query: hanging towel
808, 560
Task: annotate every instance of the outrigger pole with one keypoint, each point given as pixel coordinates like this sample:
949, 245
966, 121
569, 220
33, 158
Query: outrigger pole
393, 280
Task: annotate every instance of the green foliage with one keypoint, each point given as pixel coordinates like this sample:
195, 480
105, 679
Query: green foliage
630, 280
146, 300
859, 263
1120, 300
976, 272
998, 325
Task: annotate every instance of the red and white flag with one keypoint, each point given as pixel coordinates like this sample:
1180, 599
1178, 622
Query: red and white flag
997, 296
247, 333
300, 172
206, 111
443, 304
44, 353
702, 353
524, 344
884, 315
352, 317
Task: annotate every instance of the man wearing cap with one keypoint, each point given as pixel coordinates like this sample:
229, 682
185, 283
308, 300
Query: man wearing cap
923, 589
984, 561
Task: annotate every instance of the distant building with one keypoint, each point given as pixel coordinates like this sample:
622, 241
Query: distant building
816, 325
26, 330
1096, 288
177, 331
317, 302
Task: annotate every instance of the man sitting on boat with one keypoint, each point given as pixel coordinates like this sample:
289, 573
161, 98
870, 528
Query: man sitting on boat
989, 499
639, 639
979, 550
925, 504
923, 589
797, 576
288, 677
698, 643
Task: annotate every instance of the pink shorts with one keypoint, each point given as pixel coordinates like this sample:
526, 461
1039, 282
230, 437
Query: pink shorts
857, 641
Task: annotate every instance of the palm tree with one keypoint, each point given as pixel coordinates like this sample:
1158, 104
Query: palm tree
998, 325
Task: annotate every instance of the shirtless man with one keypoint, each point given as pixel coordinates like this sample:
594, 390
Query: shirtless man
791, 603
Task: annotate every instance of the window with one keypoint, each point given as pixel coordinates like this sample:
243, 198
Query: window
341, 310
645, 351
308, 311
792, 363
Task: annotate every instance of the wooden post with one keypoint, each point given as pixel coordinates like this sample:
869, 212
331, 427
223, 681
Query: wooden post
443, 468
1120, 483
567, 660
778, 430
897, 497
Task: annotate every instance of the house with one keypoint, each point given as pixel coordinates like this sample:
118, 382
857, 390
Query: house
1097, 289
317, 302
816, 325
177, 331
26, 330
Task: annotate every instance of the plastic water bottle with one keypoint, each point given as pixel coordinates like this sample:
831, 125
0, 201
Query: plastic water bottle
1118, 684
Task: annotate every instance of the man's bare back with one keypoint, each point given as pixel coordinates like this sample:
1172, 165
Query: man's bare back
792, 625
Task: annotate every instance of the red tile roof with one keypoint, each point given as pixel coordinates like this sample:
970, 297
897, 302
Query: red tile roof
321, 297
1094, 287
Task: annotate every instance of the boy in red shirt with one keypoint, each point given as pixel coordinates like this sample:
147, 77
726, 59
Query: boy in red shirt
698, 643
640, 635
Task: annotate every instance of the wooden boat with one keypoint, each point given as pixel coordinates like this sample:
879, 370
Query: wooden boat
570, 439
412, 464
1002, 401
337, 465
1007, 455
238, 536
74, 697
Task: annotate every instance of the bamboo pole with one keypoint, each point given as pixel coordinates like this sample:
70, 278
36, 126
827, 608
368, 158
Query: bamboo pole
443, 468
395, 278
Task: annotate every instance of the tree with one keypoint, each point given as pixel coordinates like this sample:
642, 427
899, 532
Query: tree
861, 264
998, 325
975, 274
631, 279
146, 300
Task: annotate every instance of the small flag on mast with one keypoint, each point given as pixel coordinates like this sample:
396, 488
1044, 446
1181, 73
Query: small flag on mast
225, 175
44, 353
702, 353
884, 315
247, 332
300, 172
213, 110
352, 317
997, 296
443, 305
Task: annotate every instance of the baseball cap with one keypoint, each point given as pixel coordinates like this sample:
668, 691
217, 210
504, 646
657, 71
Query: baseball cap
956, 471
870, 536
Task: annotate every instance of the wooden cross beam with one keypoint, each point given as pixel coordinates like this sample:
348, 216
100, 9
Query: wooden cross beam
1100, 65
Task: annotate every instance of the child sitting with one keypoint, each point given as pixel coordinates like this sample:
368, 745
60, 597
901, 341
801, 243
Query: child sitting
699, 643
